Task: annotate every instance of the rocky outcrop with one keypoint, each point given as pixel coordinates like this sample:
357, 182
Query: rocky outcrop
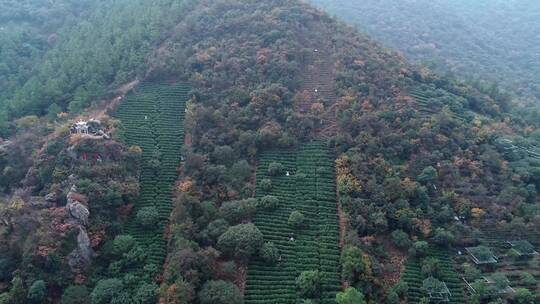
51, 197
80, 259
78, 212
77, 206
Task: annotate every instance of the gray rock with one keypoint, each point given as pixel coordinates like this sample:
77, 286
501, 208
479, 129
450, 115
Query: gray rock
71, 153
51, 197
73, 187
81, 257
78, 212
72, 179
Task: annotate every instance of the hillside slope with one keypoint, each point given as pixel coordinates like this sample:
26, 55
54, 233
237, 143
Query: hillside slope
361, 158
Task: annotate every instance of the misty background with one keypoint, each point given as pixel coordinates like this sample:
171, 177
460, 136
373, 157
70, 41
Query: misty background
483, 41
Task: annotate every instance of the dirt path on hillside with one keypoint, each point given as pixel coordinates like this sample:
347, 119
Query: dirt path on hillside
188, 140
109, 104
342, 221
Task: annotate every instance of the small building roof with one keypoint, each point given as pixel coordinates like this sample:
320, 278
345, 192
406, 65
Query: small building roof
481, 255
436, 290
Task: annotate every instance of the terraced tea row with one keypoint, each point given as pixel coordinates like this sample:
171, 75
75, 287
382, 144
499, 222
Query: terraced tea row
427, 107
152, 117
306, 185
414, 278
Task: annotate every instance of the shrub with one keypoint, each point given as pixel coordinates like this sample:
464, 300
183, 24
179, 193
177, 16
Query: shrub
75, 294
105, 291
223, 155
241, 241
122, 244
266, 185
527, 278
146, 294
275, 169
6, 268
471, 272
309, 283
215, 229
393, 298
523, 296
350, 296
401, 288
296, 219
4, 298
220, 292
443, 237
401, 239
420, 249
229, 271
268, 202
17, 294
431, 267
433, 285
240, 171
428, 175
482, 253
237, 211
352, 263
148, 217
270, 253
180, 292
136, 150
524, 247
37, 292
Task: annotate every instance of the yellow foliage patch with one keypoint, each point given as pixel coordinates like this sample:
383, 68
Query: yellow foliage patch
185, 186
346, 181
477, 212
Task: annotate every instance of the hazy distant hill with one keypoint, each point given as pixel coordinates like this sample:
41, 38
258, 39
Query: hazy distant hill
485, 39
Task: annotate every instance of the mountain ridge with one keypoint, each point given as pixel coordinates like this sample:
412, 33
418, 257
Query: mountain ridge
411, 152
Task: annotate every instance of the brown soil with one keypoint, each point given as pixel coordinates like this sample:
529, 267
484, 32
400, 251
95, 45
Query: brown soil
188, 140
241, 277
342, 222
396, 261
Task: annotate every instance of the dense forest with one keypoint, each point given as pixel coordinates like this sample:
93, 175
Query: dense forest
81, 61
29, 30
485, 41
243, 151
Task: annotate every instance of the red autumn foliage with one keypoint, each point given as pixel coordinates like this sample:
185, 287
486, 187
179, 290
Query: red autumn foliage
78, 197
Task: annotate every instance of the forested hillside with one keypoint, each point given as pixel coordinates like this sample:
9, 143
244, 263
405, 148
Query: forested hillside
83, 60
262, 153
485, 41
28, 30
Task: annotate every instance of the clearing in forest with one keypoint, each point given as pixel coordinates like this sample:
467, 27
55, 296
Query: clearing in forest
306, 184
153, 118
